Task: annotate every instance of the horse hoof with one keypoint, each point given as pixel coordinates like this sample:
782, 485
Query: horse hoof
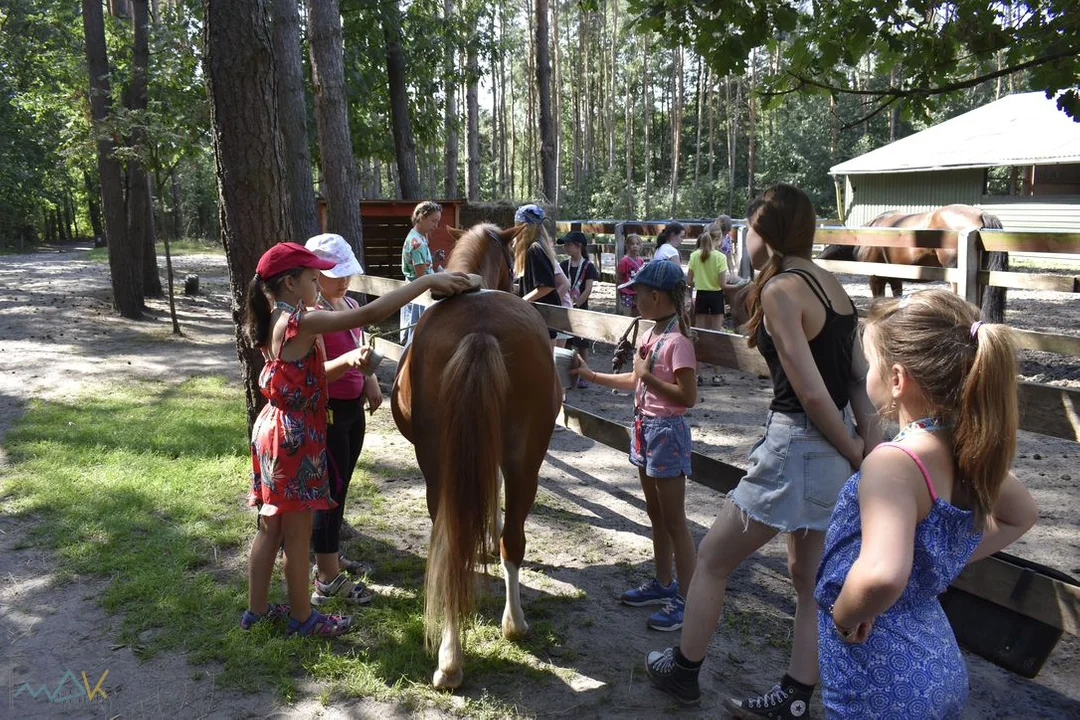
515, 632
444, 681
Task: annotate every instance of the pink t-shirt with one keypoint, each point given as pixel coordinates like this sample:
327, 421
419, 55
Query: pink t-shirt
627, 269
350, 385
676, 353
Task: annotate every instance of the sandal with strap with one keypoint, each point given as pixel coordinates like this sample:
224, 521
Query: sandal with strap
354, 567
341, 587
273, 612
320, 625
717, 381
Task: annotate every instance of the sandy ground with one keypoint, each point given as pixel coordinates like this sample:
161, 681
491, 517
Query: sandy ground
588, 536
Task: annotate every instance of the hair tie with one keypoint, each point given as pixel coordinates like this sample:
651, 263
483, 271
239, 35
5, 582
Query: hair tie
975, 330
257, 278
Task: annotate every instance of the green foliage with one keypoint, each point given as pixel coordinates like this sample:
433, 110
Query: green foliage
938, 48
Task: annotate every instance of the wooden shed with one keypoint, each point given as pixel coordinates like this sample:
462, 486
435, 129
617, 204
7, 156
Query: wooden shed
1035, 145
386, 223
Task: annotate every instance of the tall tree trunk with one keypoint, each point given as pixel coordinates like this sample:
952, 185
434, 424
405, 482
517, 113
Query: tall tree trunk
676, 129
140, 207
404, 142
496, 136
93, 204
472, 103
543, 81
698, 98
336, 160
628, 143
613, 76
556, 100
239, 62
712, 125
647, 118
450, 152
177, 217
732, 137
751, 128
505, 159
579, 115
301, 214
125, 274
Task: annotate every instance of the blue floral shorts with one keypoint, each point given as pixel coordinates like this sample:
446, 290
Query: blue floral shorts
661, 445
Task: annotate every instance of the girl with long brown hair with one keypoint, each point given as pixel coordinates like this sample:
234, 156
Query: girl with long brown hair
804, 325
921, 508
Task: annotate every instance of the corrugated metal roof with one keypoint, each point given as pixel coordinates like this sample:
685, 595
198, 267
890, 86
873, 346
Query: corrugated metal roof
1023, 129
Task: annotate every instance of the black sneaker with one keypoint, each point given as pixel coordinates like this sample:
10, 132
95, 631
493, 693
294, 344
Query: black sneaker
671, 677
783, 702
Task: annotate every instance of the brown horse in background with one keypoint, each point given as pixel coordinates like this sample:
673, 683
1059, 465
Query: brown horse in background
477, 395
958, 218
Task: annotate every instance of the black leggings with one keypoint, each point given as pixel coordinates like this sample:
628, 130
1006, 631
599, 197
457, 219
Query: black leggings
344, 440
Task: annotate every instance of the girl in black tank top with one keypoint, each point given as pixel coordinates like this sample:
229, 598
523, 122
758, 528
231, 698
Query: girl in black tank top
831, 349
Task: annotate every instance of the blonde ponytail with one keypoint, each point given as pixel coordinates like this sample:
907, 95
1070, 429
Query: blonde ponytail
984, 439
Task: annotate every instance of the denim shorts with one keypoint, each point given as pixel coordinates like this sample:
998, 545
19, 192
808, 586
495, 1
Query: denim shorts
795, 475
661, 445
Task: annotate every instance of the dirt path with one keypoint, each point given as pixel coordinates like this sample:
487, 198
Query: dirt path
588, 536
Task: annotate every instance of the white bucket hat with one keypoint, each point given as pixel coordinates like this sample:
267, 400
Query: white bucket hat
333, 247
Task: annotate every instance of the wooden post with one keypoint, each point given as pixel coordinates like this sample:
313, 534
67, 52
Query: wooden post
746, 270
968, 262
620, 242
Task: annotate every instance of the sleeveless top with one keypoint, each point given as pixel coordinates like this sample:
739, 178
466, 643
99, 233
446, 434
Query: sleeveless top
831, 349
910, 666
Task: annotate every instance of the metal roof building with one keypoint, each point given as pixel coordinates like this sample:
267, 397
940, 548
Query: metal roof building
949, 163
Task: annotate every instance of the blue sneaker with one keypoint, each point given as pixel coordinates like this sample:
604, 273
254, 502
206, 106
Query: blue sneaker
669, 617
650, 592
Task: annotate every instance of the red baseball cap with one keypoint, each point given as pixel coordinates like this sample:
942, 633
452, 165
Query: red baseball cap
286, 256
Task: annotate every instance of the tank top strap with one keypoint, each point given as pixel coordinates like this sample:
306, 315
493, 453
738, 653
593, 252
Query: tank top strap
814, 285
922, 468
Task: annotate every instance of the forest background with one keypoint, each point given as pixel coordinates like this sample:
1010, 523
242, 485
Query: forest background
603, 108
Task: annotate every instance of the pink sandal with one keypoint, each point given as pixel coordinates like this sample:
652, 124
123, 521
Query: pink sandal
320, 625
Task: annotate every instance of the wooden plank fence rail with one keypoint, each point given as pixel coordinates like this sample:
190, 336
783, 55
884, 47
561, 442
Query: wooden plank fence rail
1045, 409
1046, 599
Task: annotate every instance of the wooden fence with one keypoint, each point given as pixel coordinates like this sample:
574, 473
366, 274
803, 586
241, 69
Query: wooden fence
1045, 409
969, 276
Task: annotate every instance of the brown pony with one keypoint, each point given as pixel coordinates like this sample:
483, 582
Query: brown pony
477, 395
958, 218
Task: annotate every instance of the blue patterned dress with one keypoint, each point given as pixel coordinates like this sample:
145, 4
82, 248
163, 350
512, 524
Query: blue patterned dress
910, 666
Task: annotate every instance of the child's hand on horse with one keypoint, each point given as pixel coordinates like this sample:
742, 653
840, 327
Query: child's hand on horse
448, 283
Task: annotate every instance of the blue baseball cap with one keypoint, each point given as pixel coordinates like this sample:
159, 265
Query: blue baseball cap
659, 274
531, 214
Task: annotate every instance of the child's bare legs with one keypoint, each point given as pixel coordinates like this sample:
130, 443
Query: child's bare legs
261, 565
663, 548
724, 548
804, 556
671, 494
296, 531
328, 566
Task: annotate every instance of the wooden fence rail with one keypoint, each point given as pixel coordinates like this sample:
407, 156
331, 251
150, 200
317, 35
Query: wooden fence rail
1046, 599
1045, 409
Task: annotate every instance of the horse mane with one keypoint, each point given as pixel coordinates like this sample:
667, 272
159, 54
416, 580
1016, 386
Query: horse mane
470, 248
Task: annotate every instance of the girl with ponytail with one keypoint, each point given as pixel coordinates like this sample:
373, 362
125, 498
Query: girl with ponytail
922, 507
804, 325
664, 387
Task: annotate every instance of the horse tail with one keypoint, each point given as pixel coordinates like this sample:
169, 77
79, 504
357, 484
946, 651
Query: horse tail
472, 396
993, 302
837, 252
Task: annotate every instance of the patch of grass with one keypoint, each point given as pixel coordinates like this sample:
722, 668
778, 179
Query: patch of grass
186, 246
145, 486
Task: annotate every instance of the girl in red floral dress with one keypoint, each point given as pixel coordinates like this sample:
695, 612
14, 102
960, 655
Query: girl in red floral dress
288, 440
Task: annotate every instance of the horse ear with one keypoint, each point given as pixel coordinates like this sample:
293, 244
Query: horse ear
510, 233
454, 233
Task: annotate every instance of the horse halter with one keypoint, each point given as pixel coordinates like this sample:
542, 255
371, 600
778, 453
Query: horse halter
494, 237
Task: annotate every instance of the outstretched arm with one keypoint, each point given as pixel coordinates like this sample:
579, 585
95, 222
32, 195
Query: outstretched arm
321, 321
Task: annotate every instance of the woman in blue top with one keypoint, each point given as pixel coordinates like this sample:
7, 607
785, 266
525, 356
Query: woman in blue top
921, 508
416, 259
